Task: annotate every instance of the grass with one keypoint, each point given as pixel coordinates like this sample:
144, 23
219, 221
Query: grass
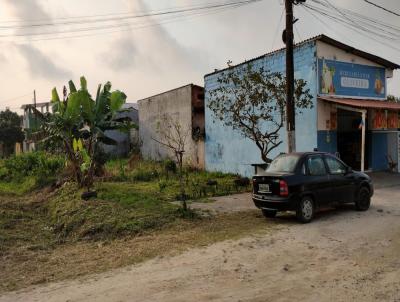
18, 188
24, 266
53, 235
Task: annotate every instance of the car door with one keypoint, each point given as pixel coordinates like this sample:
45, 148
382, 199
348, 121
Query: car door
343, 183
318, 182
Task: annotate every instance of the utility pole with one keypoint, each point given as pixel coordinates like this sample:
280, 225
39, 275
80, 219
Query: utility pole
290, 106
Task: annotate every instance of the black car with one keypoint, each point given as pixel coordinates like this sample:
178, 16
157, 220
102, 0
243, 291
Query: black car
304, 182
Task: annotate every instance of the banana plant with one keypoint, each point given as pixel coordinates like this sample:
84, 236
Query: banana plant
81, 122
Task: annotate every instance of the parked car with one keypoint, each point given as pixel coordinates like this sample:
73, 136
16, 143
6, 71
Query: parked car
305, 182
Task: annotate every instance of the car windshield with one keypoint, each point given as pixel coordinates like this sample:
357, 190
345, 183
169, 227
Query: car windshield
283, 163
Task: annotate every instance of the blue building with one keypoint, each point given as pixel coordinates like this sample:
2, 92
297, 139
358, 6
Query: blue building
350, 116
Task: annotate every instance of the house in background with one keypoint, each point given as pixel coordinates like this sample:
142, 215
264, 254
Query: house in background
350, 116
126, 142
30, 124
184, 104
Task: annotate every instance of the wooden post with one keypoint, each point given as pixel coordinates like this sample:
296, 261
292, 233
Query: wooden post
290, 108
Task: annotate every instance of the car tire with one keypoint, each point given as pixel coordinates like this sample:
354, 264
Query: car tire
306, 209
363, 201
269, 213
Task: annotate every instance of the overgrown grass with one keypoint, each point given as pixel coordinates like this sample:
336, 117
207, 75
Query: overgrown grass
155, 176
51, 235
26, 172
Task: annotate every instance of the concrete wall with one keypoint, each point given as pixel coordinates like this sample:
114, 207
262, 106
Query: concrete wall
176, 103
227, 151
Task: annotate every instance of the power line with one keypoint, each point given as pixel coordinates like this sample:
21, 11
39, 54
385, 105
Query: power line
129, 17
101, 15
383, 8
132, 26
369, 29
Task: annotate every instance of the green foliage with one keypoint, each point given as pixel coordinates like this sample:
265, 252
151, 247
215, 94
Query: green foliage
152, 176
120, 209
253, 102
28, 171
38, 164
10, 131
81, 122
170, 166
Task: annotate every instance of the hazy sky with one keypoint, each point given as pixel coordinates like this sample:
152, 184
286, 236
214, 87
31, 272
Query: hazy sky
145, 61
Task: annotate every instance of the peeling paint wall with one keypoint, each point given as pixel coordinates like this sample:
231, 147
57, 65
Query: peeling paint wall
227, 151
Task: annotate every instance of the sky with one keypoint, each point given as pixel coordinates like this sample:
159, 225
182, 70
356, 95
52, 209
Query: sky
149, 60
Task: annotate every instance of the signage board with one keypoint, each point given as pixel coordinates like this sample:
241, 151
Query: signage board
351, 80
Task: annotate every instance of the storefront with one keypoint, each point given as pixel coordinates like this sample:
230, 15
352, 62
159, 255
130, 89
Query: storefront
355, 121
350, 116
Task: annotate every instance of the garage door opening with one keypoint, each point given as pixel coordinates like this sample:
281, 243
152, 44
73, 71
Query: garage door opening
349, 138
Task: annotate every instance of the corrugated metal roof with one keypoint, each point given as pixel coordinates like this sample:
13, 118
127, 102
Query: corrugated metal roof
330, 41
358, 103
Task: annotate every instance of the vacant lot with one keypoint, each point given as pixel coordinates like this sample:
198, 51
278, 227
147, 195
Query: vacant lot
342, 256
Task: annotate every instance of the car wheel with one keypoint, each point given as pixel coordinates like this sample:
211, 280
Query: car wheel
269, 213
306, 209
363, 199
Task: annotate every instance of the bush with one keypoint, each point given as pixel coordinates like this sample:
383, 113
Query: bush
170, 166
144, 175
44, 167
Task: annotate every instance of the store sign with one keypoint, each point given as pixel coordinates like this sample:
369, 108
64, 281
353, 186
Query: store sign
351, 80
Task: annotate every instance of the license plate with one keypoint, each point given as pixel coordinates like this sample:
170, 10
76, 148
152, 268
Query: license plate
263, 188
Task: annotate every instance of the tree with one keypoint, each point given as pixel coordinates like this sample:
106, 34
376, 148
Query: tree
393, 99
173, 135
253, 102
80, 122
10, 131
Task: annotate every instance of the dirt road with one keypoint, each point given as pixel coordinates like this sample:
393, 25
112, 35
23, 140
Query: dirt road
343, 255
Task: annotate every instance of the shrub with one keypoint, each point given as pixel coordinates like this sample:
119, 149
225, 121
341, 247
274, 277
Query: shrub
44, 167
144, 175
170, 166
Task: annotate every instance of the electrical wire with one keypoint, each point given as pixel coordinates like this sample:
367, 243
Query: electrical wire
369, 29
361, 23
128, 17
383, 8
132, 26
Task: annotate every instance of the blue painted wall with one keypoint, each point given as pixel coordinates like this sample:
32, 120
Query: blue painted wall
379, 152
227, 151
327, 141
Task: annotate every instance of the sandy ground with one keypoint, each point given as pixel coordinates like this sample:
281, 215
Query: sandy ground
343, 255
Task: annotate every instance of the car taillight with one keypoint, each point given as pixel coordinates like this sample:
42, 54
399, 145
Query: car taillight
283, 188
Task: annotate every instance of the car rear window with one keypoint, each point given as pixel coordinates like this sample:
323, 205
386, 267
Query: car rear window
283, 163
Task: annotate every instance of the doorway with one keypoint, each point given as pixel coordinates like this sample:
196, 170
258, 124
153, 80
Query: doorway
349, 138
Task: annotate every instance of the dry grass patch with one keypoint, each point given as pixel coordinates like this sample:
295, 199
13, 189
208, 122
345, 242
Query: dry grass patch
22, 267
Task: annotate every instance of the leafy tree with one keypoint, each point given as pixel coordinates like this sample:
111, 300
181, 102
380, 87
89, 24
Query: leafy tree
394, 99
80, 122
253, 102
173, 135
10, 131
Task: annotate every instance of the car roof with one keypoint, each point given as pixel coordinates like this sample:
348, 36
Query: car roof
301, 154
